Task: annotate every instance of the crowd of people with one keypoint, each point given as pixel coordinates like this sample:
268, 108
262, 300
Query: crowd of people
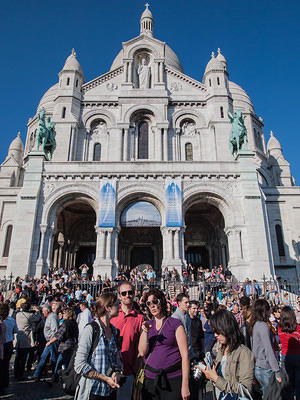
141, 342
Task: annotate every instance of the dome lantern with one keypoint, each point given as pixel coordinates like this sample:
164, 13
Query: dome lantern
147, 22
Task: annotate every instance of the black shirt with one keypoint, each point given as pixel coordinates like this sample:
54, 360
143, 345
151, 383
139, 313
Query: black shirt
197, 336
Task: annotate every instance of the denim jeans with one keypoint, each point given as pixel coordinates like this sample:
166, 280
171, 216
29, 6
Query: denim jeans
263, 376
63, 360
125, 391
291, 364
52, 350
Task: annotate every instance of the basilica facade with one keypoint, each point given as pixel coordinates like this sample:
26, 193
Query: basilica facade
143, 173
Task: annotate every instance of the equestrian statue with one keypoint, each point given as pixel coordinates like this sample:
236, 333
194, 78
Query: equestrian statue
45, 134
238, 136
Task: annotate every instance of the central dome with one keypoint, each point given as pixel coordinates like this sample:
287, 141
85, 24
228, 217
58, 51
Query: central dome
171, 60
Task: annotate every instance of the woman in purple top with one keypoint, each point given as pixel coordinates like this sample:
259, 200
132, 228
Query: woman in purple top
163, 344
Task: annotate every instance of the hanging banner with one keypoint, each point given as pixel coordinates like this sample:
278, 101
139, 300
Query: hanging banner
107, 203
173, 202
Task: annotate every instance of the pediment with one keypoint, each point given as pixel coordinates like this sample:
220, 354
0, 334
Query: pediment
108, 82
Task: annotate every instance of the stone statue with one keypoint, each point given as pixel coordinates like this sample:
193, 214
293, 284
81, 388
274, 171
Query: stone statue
189, 128
144, 75
45, 134
238, 136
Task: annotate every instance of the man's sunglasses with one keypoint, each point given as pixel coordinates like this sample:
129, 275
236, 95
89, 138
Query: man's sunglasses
155, 302
129, 292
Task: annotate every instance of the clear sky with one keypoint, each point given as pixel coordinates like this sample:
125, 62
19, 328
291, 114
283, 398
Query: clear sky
259, 38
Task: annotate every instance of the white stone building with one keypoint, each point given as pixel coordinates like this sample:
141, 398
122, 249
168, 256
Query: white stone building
141, 127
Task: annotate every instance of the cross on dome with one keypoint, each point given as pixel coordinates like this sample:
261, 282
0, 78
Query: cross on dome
147, 5
147, 21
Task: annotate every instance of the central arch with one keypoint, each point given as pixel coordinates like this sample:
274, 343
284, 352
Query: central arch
205, 240
140, 240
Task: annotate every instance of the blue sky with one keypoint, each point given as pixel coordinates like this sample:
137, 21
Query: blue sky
259, 38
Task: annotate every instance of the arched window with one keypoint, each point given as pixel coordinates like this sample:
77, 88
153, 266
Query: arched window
7, 241
280, 242
209, 82
143, 141
97, 152
76, 82
68, 81
221, 112
188, 152
63, 112
218, 80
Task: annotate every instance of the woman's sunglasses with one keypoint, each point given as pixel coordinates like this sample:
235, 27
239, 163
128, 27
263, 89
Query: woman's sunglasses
155, 302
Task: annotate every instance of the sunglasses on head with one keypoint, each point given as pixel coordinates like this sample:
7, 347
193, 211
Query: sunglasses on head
129, 292
155, 302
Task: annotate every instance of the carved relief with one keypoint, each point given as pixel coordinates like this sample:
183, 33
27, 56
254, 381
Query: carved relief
175, 87
111, 86
99, 128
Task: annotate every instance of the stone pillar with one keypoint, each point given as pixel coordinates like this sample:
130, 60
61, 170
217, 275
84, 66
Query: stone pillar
125, 145
50, 247
165, 146
103, 261
61, 243
40, 261
132, 144
171, 248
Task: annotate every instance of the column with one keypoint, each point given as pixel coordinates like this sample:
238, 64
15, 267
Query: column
50, 247
125, 145
132, 144
40, 260
165, 146
176, 243
108, 244
164, 233
161, 71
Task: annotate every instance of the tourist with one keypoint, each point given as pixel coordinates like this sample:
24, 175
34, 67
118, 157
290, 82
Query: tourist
289, 336
96, 382
234, 361
25, 320
129, 322
84, 317
237, 314
246, 315
50, 330
4, 310
262, 344
182, 313
167, 362
67, 337
11, 331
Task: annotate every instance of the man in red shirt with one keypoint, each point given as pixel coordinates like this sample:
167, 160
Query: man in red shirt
129, 322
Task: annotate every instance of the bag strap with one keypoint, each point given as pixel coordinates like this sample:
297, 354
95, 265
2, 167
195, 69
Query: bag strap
155, 342
244, 390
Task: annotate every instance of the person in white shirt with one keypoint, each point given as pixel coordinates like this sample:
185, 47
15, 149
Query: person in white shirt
83, 318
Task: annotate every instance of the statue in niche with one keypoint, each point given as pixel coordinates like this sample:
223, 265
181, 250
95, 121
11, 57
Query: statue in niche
238, 136
100, 128
144, 74
189, 128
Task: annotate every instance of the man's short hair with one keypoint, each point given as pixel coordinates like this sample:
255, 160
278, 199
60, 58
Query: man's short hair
194, 302
180, 296
245, 301
125, 283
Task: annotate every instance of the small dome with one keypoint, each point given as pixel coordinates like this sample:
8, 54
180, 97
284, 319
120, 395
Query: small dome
221, 58
214, 64
147, 13
273, 143
72, 63
240, 98
16, 148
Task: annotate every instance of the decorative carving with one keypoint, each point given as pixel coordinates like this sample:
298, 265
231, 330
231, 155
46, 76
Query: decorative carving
99, 129
111, 86
175, 87
48, 189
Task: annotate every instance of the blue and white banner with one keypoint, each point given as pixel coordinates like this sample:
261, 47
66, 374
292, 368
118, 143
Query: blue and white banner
107, 203
173, 202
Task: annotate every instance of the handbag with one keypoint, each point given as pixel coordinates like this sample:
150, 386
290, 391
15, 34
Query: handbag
139, 383
235, 396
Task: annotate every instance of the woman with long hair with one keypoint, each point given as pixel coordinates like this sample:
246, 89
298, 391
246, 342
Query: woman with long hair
234, 362
289, 336
263, 344
100, 370
163, 344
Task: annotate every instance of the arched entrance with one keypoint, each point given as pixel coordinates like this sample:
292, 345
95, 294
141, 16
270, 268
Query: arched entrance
75, 240
140, 240
205, 240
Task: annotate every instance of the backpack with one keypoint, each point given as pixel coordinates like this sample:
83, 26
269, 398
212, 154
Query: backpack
69, 377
